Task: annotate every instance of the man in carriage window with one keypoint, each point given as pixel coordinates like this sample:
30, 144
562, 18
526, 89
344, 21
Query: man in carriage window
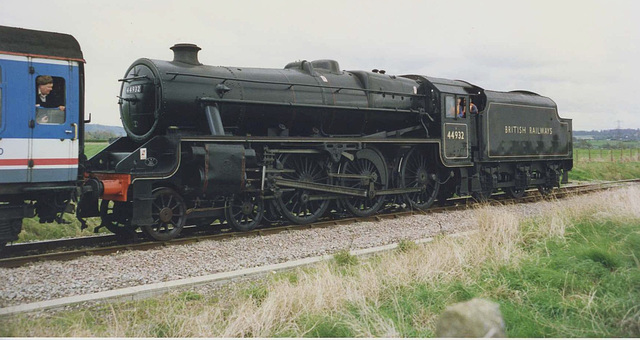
48, 100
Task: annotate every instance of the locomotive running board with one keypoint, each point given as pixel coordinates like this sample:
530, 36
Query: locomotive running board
335, 189
307, 140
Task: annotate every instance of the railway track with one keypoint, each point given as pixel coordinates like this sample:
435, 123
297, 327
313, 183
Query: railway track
68, 249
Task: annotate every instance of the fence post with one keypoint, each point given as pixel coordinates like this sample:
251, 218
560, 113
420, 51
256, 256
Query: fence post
611, 151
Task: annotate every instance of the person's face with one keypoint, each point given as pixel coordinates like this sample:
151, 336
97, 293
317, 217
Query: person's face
46, 88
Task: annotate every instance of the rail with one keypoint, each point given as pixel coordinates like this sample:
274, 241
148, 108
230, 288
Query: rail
17, 258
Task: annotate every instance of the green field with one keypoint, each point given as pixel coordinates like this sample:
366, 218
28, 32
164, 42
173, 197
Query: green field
92, 148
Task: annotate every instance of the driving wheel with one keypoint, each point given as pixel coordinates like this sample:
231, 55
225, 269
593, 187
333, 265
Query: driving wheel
370, 173
416, 172
303, 206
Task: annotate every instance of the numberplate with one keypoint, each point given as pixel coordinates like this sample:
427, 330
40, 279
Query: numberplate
134, 89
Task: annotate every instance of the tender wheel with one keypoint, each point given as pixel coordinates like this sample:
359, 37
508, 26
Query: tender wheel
299, 205
487, 189
168, 213
416, 172
514, 192
370, 163
545, 190
244, 211
116, 217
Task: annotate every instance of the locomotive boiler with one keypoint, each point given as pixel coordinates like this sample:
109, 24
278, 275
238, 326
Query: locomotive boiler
303, 99
247, 145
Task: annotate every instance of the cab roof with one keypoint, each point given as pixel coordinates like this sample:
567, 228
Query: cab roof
460, 87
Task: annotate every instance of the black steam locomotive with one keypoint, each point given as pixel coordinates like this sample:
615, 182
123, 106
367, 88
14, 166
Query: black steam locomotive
247, 145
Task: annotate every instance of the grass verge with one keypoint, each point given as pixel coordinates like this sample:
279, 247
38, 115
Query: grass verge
572, 272
604, 171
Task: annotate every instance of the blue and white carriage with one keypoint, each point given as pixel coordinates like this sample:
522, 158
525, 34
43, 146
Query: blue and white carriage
39, 146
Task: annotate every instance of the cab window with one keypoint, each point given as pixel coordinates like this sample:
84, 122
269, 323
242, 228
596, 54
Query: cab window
50, 100
450, 106
462, 106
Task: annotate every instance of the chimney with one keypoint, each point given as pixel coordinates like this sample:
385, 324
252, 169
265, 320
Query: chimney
186, 53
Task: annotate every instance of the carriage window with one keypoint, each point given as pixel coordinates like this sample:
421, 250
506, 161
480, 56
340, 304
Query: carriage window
450, 106
50, 100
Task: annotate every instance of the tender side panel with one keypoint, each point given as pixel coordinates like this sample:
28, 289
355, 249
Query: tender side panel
519, 131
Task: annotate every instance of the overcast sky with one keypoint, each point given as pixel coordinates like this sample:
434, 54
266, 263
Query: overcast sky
582, 54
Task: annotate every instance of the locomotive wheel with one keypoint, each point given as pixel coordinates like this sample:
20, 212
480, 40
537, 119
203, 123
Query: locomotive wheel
415, 172
116, 217
368, 162
514, 192
244, 211
298, 205
169, 215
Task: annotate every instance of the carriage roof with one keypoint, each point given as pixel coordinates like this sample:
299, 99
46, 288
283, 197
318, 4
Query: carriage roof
20, 41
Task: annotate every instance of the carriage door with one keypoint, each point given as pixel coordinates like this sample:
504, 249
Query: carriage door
455, 130
54, 127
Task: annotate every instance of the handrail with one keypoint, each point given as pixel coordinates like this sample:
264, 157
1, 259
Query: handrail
290, 85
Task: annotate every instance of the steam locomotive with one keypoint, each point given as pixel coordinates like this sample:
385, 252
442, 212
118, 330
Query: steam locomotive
245, 145
249, 145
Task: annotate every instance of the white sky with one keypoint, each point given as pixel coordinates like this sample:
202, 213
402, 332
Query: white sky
583, 54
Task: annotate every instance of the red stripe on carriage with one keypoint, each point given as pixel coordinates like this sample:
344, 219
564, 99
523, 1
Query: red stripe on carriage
39, 161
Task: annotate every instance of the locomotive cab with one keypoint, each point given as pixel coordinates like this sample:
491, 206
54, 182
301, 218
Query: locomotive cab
451, 103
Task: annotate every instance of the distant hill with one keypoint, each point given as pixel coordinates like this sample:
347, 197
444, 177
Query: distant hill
615, 134
102, 132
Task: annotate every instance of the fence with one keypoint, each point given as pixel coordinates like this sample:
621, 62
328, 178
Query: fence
606, 155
